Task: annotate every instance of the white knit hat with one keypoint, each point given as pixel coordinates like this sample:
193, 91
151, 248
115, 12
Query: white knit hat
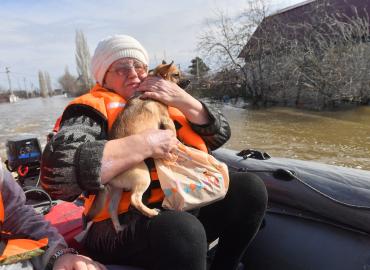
113, 48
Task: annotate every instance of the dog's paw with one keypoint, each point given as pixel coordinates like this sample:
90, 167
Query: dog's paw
152, 212
118, 228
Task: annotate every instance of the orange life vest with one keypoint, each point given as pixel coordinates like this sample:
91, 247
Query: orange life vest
14, 249
109, 105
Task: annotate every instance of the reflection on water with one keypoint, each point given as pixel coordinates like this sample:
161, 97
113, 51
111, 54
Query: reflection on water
338, 138
30, 117
341, 138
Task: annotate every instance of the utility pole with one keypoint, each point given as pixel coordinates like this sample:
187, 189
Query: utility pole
7, 71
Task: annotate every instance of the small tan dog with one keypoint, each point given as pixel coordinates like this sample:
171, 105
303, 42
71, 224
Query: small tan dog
137, 116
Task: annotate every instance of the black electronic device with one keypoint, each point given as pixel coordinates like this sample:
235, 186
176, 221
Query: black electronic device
24, 156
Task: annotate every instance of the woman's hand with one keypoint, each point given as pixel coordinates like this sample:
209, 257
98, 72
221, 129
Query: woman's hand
171, 94
167, 92
76, 262
161, 143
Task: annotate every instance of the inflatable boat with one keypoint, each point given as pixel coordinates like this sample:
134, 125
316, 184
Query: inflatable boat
318, 215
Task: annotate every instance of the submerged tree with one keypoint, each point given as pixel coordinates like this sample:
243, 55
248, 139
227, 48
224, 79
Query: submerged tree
68, 83
225, 36
48, 83
43, 85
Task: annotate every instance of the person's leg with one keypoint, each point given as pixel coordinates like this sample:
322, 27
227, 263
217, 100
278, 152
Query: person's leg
235, 219
178, 241
103, 244
171, 240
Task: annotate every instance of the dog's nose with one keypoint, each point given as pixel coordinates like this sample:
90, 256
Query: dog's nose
183, 83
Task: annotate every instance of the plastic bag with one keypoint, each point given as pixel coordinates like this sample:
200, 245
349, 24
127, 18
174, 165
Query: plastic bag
193, 180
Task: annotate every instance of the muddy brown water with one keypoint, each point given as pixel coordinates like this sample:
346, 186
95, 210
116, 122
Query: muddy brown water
338, 138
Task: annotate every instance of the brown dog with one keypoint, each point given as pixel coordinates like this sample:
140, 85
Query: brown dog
137, 116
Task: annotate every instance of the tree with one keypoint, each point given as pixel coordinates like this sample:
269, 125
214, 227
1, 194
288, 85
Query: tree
225, 36
69, 83
43, 86
83, 63
48, 83
198, 68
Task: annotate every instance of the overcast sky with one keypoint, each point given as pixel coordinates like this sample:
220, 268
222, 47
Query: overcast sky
39, 35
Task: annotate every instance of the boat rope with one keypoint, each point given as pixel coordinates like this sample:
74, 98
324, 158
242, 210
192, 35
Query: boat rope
50, 203
363, 207
287, 175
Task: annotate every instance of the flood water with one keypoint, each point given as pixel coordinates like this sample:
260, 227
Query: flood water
339, 138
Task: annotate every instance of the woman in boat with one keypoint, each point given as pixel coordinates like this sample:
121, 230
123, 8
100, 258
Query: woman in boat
27, 240
80, 159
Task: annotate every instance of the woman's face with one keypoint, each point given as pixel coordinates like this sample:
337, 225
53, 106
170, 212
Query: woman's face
124, 76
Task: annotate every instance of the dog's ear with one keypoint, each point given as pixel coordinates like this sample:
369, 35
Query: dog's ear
165, 68
164, 62
168, 72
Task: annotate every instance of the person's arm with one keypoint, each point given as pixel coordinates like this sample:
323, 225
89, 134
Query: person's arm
71, 159
21, 219
121, 154
217, 132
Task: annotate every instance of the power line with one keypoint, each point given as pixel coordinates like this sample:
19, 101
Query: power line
20, 73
